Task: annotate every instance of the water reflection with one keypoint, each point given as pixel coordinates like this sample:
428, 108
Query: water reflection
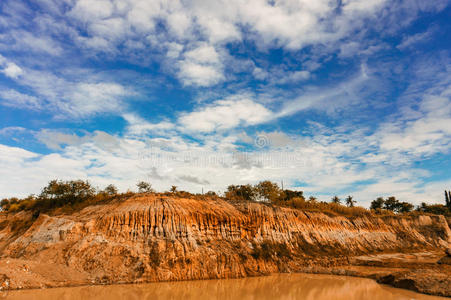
281, 286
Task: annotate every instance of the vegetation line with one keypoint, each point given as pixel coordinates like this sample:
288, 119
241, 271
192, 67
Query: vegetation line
68, 196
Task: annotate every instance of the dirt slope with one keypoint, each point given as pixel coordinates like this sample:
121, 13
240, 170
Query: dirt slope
154, 238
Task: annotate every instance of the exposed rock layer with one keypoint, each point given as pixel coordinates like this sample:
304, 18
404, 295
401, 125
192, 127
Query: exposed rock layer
153, 238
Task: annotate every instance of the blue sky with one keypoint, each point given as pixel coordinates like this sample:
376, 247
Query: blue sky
332, 97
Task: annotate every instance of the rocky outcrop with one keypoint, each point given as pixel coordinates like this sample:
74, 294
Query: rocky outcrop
447, 258
155, 238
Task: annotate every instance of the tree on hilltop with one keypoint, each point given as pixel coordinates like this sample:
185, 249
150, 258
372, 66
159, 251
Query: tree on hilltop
350, 201
336, 200
144, 187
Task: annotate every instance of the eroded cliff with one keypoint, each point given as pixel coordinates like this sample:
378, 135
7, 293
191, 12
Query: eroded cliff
155, 238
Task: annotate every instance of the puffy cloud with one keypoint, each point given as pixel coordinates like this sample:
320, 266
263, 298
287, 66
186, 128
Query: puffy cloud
88, 11
9, 68
192, 73
12, 70
201, 66
225, 114
291, 24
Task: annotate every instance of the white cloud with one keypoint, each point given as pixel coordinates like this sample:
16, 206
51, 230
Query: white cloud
66, 98
295, 76
113, 28
322, 163
198, 74
140, 127
88, 10
409, 41
174, 50
90, 98
199, 26
16, 99
55, 140
421, 128
225, 114
291, 24
9, 68
14, 154
12, 70
204, 54
429, 134
329, 99
191, 36
260, 74
201, 66
24, 41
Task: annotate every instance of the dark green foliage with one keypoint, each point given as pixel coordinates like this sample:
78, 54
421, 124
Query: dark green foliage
70, 195
263, 191
391, 204
378, 203
436, 209
405, 207
4, 204
268, 191
59, 193
68, 191
312, 199
335, 199
144, 187
211, 194
77, 194
240, 192
350, 201
289, 194
111, 190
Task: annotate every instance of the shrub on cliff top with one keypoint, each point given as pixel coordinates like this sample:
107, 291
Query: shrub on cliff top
70, 195
391, 204
240, 192
144, 187
436, 209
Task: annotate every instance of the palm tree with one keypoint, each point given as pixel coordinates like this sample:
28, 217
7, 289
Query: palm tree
173, 189
350, 201
335, 199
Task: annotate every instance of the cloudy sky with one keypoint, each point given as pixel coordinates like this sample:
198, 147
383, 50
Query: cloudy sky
330, 96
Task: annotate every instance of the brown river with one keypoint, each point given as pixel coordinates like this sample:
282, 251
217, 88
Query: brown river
280, 286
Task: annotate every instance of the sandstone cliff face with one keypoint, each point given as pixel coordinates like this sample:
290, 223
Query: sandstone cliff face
153, 238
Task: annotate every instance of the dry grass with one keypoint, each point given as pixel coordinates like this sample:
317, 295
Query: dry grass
331, 209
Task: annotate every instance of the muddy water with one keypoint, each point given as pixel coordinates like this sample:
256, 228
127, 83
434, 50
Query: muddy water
281, 286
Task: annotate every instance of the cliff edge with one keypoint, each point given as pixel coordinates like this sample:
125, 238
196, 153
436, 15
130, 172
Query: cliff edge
158, 238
